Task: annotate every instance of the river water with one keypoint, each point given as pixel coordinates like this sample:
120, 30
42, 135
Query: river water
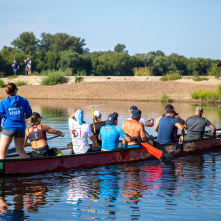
186, 188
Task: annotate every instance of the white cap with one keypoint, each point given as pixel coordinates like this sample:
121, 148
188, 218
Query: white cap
97, 113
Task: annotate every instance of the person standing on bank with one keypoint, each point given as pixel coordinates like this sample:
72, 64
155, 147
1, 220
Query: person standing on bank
28, 63
14, 109
196, 124
98, 125
15, 66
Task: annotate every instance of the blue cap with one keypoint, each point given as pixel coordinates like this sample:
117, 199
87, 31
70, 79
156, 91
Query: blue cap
132, 108
111, 118
135, 114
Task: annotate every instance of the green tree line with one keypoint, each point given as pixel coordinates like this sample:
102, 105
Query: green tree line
63, 51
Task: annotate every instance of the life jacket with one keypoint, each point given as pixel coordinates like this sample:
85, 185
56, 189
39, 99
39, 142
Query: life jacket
36, 133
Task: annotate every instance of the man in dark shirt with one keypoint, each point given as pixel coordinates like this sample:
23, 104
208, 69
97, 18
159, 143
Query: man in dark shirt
196, 124
98, 125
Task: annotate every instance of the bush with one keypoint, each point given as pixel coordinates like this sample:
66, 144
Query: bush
108, 78
2, 83
68, 72
215, 71
53, 77
142, 71
197, 78
35, 73
2, 74
165, 98
21, 83
78, 79
207, 95
12, 77
171, 77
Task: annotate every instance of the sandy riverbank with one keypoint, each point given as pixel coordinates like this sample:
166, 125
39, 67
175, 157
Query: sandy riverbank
115, 88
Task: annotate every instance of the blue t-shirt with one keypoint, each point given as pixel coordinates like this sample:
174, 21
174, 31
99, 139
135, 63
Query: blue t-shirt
110, 135
13, 110
166, 129
15, 66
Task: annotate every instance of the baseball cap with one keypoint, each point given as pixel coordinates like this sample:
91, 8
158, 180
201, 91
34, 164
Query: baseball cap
135, 114
111, 118
37, 115
169, 106
200, 109
97, 113
132, 108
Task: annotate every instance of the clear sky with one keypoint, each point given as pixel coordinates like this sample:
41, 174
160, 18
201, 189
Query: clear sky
187, 27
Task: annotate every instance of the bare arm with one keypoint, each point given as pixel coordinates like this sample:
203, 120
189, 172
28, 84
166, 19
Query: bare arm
212, 127
99, 138
72, 116
129, 138
157, 124
180, 127
50, 130
26, 138
180, 120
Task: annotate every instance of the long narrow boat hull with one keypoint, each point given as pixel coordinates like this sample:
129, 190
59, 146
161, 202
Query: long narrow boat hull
67, 162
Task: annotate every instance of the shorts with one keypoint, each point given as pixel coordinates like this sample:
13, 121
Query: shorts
13, 133
46, 152
130, 146
28, 68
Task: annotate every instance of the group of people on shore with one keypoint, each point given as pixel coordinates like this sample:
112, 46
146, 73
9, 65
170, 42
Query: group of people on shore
14, 109
15, 66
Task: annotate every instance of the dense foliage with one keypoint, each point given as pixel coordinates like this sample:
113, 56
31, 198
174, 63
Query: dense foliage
65, 52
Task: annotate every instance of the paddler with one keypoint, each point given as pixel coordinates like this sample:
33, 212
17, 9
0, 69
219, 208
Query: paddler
110, 133
181, 121
80, 131
98, 124
135, 128
195, 125
36, 133
167, 125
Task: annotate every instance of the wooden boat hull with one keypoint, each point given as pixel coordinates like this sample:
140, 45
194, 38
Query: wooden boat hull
67, 162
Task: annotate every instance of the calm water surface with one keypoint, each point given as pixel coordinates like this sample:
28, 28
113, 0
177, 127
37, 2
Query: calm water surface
187, 188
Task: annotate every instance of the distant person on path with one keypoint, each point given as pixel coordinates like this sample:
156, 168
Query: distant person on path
28, 63
98, 124
13, 109
36, 133
80, 131
196, 124
15, 66
110, 134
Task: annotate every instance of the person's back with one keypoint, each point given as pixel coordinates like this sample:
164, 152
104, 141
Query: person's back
196, 124
79, 135
166, 129
98, 126
134, 129
110, 135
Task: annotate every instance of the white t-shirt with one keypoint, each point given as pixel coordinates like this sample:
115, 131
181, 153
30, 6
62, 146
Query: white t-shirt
79, 135
143, 121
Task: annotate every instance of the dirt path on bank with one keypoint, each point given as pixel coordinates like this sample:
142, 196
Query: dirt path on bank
114, 90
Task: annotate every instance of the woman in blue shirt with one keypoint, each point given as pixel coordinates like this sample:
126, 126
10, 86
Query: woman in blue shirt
13, 109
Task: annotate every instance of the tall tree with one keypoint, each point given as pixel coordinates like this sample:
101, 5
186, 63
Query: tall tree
26, 42
120, 48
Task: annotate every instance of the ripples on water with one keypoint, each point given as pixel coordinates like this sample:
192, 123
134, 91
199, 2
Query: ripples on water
187, 188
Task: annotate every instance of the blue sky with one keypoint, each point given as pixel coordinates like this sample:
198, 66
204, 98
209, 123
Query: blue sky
186, 27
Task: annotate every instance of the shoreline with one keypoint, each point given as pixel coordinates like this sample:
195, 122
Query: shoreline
114, 89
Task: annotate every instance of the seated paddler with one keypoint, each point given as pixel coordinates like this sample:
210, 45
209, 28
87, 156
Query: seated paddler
135, 128
80, 131
110, 133
36, 133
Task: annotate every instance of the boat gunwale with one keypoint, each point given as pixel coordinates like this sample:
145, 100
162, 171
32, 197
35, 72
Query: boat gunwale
93, 153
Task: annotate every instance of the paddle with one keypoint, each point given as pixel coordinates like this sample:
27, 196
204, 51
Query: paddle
12, 150
92, 108
158, 145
